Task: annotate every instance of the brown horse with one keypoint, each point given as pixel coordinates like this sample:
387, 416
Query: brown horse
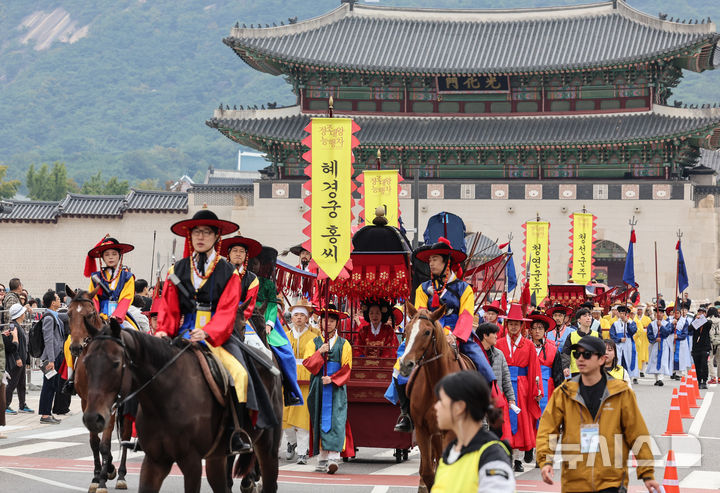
81, 316
431, 357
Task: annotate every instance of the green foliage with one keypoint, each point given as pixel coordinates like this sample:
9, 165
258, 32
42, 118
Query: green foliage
131, 98
7, 188
96, 186
148, 184
47, 184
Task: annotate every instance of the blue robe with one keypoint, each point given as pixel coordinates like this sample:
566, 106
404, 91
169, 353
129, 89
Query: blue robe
626, 351
661, 348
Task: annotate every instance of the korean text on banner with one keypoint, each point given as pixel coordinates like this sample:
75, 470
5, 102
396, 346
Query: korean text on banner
537, 246
381, 189
582, 248
331, 211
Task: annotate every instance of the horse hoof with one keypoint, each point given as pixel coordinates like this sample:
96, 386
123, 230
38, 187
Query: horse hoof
248, 489
101, 490
112, 474
121, 484
93, 488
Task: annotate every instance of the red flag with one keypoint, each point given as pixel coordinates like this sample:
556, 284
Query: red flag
503, 301
525, 299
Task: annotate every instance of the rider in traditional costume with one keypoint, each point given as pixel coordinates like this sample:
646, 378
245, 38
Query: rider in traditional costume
200, 301
526, 374
296, 419
330, 364
446, 288
659, 334
239, 250
376, 337
622, 332
561, 315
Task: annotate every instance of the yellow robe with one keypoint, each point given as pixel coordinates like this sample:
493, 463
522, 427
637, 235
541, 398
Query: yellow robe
642, 345
299, 416
605, 328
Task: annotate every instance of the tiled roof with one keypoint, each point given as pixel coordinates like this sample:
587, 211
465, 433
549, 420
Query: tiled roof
30, 211
221, 180
709, 159
222, 188
662, 122
96, 206
431, 41
144, 201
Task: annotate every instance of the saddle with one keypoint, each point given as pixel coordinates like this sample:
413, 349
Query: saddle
216, 376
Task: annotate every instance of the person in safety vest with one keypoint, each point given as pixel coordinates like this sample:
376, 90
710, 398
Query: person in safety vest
476, 461
584, 321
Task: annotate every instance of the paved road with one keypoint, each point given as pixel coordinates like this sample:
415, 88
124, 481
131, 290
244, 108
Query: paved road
42, 458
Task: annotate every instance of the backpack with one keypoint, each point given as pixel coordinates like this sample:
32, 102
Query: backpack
36, 340
715, 331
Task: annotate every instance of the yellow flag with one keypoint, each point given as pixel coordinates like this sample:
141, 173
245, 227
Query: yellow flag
331, 193
582, 246
380, 188
537, 249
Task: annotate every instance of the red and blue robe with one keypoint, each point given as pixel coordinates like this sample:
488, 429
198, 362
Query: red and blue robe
118, 300
551, 372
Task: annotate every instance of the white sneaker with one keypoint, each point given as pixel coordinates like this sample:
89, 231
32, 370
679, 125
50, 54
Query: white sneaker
302, 459
290, 453
322, 466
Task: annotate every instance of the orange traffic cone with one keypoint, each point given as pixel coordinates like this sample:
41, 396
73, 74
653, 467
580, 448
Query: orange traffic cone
690, 391
674, 425
670, 480
683, 400
696, 387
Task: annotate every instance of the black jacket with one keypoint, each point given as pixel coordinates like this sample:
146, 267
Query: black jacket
10, 350
22, 348
701, 338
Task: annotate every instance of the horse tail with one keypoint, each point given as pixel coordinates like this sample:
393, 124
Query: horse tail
244, 464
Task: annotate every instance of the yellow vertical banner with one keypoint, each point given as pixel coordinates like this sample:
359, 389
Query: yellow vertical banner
331, 193
582, 228
537, 252
380, 188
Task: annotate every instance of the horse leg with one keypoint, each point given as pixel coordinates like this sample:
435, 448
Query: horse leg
215, 469
95, 447
108, 470
152, 475
191, 467
122, 470
266, 452
424, 444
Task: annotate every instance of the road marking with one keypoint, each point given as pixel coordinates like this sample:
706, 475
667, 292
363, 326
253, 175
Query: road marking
13, 428
35, 448
702, 479
402, 469
117, 454
380, 489
700, 416
42, 480
54, 435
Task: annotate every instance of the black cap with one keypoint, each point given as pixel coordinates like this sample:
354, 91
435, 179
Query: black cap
591, 343
623, 309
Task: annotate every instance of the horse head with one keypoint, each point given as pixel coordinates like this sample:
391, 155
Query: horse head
104, 365
424, 337
84, 320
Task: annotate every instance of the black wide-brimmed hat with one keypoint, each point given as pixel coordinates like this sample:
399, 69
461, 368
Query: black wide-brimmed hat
442, 247
384, 305
297, 249
252, 247
204, 217
109, 243
331, 311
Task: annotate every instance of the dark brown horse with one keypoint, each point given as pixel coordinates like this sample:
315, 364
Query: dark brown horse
81, 316
428, 353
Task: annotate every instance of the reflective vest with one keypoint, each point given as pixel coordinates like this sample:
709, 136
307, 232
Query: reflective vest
462, 475
574, 339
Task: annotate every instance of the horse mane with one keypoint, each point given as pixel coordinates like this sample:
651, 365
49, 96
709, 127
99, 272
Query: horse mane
149, 347
441, 344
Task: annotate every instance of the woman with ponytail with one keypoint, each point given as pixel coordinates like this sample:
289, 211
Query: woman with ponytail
476, 461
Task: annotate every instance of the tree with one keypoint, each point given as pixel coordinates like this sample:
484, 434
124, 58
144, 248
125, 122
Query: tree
46, 184
96, 186
147, 184
7, 188
116, 187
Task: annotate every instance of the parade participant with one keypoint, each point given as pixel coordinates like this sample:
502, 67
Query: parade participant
152, 315
476, 461
549, 357
492, 312
681, 352
505, 395
238, 250
612, 367
296, 419
526, 375
622, 332
599, 324
304, 257
612, 316
593, 434
376, 337
640, 337
701, 346
714, 317
117, 283
584, 321
200, 304
330, 364
561, 315
661, 348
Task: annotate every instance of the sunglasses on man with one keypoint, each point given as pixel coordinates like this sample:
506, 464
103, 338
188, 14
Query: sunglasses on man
584, 354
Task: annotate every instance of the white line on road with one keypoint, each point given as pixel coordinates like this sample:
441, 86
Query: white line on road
700, 416
42, 480
402, 469
380, 489
702, 479
54, 435
35, 448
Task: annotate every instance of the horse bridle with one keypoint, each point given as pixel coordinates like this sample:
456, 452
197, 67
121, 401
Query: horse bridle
87, 339
422, 361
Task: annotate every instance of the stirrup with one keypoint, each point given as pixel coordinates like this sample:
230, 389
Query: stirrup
131, 445
240, 442
404, 424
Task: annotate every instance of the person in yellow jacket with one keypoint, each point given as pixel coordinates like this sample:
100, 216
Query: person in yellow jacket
592, 409
476, 461
642, 345
296, 419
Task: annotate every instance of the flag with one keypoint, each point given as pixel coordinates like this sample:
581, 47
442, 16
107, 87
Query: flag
683, 281
629, 272
510, 274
